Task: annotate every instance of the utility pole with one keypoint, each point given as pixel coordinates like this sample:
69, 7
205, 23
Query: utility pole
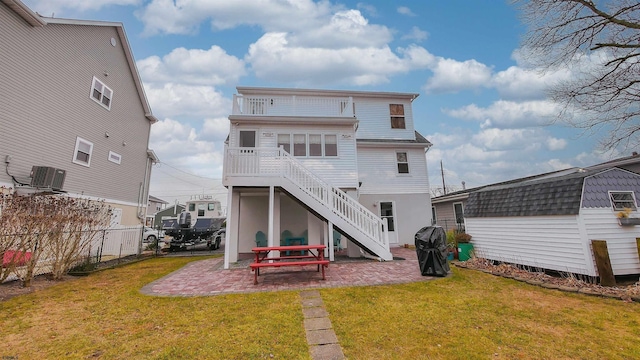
444, 187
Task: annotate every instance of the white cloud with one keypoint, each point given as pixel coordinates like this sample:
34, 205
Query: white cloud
451, 76
526, 84
179, 145
416, 34
508, 114
168, 16
273, 58
555, 144
405, 11
59, 7
185, 101
215, 129
345, 29
193, 66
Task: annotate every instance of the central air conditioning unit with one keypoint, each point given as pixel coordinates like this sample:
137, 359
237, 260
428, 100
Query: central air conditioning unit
47, 177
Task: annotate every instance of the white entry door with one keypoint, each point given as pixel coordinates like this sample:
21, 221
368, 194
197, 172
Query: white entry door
387, 211
248, 160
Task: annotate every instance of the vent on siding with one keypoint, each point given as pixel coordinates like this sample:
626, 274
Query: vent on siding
47, 177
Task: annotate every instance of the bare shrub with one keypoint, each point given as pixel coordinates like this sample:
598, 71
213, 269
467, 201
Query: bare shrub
55, 229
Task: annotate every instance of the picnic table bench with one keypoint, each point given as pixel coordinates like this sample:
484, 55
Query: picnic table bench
307, 257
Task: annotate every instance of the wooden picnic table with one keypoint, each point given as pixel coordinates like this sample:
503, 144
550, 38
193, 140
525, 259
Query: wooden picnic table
309, 255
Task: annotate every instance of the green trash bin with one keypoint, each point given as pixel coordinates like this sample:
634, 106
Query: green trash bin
465, 251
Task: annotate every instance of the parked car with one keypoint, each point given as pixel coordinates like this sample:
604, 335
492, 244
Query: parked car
150, 235
216, 239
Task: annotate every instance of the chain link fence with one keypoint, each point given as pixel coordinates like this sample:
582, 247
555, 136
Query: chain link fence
104, 245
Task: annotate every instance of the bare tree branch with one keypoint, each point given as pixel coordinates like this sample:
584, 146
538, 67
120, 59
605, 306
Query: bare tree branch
599, 41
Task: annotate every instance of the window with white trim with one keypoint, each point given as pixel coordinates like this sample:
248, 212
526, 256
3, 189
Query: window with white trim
284, 140
299, 145
115, 158
396, 112
101, 93
403, 162
315, 145
312, 145
458, 211
82, 152
330, 145
623, 199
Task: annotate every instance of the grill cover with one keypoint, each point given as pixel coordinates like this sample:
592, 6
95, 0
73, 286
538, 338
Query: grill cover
431, 248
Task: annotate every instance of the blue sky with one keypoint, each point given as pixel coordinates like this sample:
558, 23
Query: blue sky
481, 104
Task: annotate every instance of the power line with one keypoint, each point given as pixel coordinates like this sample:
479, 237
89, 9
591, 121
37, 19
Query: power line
188, 173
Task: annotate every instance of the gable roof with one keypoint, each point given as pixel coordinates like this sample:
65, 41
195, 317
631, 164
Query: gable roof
157, 200
39, 21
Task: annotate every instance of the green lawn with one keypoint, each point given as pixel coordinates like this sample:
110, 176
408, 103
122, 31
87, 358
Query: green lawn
469, 315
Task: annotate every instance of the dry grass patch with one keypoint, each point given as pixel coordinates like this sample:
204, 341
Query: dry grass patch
472, 315
105, 316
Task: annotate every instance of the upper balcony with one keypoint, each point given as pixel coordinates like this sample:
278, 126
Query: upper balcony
294, 105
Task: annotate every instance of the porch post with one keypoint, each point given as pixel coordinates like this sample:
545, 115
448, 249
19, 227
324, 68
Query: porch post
330, 233
231, 221
270, 235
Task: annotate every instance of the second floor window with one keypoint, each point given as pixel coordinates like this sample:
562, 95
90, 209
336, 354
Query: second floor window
101, 93
403, 163
299, 145
397, 116
330, 145
315, 145
312, 145
284, 140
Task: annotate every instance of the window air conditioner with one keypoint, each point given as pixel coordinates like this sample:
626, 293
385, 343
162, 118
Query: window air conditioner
47, 177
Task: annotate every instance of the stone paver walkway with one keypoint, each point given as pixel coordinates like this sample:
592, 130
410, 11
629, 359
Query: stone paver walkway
323, 342
207, 277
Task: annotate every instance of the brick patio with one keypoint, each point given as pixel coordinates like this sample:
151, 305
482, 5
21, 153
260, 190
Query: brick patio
207, 277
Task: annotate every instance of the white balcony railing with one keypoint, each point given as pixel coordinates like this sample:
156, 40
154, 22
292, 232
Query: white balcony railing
269, 162
293, 106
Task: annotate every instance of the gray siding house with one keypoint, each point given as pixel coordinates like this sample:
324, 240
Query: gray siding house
71, 99
550, 223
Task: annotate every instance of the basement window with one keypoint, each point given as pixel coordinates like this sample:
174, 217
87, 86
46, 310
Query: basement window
623, 199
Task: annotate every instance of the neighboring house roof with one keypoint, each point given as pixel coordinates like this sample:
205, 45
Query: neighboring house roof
555, 195
620, 162
37, 20
157, 200
419, 140
463, 194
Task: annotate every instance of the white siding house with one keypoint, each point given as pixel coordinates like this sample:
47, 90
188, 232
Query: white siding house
549, 223
307, 162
